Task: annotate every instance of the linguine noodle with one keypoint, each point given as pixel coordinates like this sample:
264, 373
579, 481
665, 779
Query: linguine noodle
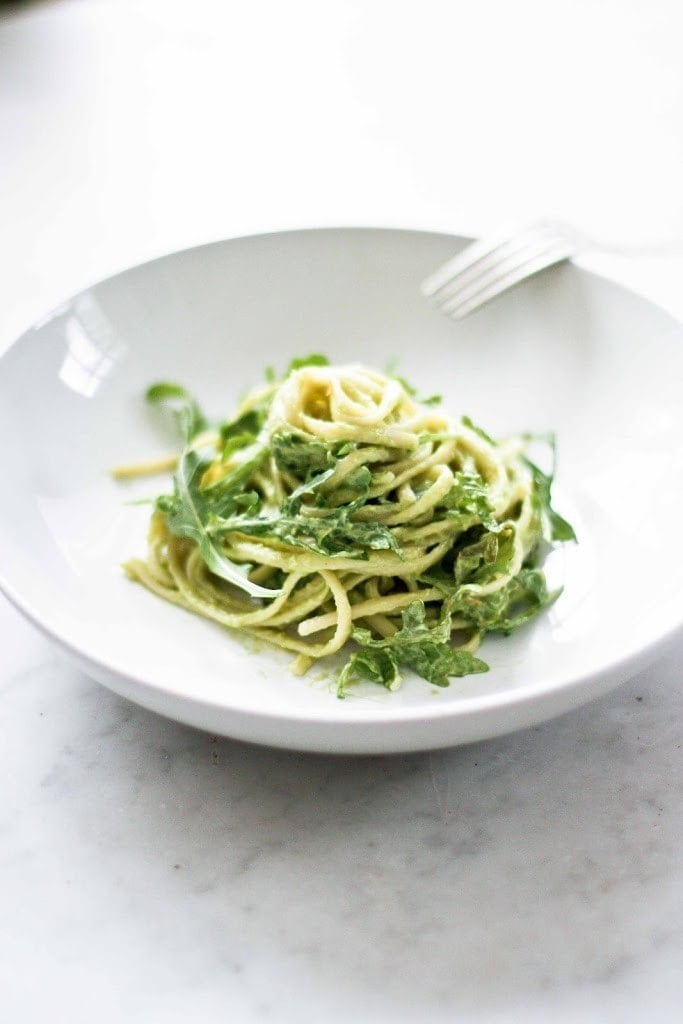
336, 506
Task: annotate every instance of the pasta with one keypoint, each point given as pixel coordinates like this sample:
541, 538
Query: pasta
334, 507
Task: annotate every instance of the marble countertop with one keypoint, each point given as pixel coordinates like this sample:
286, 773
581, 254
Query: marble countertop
150, 872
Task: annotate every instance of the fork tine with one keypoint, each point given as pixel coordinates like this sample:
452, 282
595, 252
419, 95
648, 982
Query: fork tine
477, 254
472, 253
502, 261
510, 254
490, 285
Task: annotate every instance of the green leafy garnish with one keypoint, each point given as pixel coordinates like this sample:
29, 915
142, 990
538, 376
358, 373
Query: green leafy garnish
555, 527
191, 420
315, 359
245, 427
506, 609
192, 510
378, 664
299, 455
487, 558
468, 502
189, 513
208, 513
333, 535
467, 422
258, 476
236, 443
417, 645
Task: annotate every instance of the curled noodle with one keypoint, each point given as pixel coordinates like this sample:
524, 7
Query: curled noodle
395, 470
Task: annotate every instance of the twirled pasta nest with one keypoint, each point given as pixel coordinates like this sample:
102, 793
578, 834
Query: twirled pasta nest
335, 506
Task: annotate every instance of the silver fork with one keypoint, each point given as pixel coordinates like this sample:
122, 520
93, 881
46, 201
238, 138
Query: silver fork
489, 266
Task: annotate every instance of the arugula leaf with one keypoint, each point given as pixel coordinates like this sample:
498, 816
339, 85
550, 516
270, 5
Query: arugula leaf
205, 514
467, 422
332, 534
226, 487
335, 533
554, 526
247, 427
189, 416
296, 454
486, 558
479, 553
468, 501
379, 665
423, 648
315, 359
190, 510
293, 503
302, 456
506, 609
359, 482
236, 443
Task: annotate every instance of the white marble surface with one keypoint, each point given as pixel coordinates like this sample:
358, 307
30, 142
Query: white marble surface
152, 873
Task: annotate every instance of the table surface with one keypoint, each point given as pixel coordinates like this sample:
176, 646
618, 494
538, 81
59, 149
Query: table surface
150, 872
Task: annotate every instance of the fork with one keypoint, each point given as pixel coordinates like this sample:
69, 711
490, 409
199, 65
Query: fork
489, 266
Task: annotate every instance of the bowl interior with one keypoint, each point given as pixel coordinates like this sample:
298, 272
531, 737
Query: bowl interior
566, 352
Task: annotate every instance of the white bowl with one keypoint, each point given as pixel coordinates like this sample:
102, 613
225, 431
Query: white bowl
566, 351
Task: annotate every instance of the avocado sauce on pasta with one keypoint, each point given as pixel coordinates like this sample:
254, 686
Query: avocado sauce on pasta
335, 507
